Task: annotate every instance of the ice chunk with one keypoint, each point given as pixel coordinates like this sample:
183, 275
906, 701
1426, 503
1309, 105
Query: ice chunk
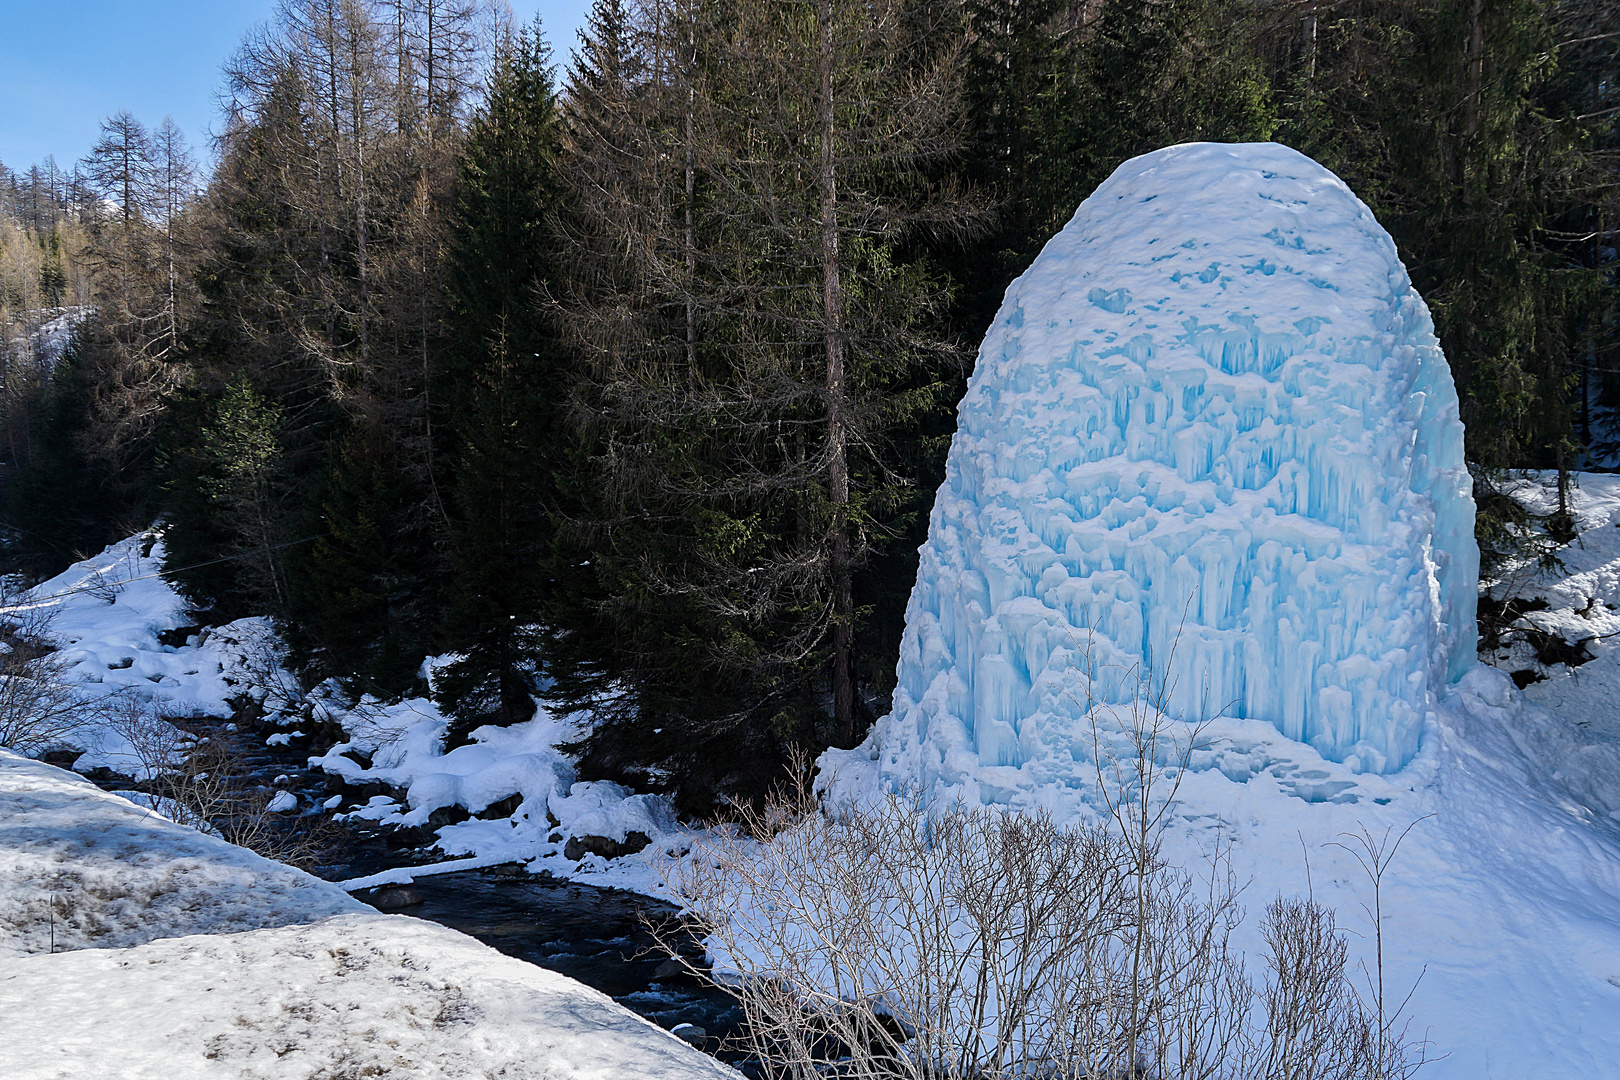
1210, 434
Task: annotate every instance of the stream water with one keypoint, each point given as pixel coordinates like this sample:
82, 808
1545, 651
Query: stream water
601, 937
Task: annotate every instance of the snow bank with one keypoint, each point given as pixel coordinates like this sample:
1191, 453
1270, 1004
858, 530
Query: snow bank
404, 742
83, 868
108, 614
1211, 421
354, 995
1582, 608
179, 955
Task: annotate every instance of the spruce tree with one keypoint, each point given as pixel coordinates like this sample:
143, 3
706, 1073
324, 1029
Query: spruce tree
1454, 121
760, 335
507, 379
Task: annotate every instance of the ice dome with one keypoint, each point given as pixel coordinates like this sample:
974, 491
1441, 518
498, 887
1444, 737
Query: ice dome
1210, 435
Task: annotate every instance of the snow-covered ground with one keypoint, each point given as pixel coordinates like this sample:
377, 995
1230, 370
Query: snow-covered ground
84, 869
136, 947
1503, 907
503, 765
50, 337
352, 995
1500, 909
108, 613
1582, 596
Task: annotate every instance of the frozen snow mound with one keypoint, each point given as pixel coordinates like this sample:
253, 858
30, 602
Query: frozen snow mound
1210, 436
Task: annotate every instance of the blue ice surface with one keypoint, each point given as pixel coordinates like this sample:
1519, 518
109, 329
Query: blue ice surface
1255, 506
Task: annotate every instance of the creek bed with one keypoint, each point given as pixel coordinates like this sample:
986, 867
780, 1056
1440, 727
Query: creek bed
599, 937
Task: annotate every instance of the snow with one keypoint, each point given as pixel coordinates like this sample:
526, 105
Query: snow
1210, 461
1583, 606
53, 335
353, 995
1211, 420
121, 875
404, 741
106, 613
113, 651
138, 947
49, 338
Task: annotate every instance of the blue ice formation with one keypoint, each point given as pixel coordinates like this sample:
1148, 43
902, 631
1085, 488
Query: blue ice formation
1211, 431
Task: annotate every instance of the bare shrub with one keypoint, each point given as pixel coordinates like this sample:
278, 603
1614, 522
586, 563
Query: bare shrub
39, 708
980, 944
901, 940
199, 783
103, 585
1315, 1028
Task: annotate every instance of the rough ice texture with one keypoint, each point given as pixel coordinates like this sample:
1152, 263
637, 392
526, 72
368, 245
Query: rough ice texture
1211, 436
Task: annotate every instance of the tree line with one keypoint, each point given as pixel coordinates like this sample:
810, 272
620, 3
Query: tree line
630, 384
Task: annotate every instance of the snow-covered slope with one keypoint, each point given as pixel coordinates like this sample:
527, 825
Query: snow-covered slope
1574, 607
107, 613
135, 947
1210, 446
1211, 420
81, 868
111, 614
353, 995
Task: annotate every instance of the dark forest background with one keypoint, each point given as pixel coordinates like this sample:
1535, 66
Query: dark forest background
630, 382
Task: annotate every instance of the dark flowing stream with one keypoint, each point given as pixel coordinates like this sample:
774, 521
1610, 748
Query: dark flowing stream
601, 937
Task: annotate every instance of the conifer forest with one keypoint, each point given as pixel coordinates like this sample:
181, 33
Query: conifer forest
626, 374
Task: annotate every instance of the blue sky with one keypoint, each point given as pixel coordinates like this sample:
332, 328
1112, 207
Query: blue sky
66, 64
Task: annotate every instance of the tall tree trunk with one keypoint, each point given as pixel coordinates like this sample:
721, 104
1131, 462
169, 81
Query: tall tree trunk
1476, 68
843, 683
691, 253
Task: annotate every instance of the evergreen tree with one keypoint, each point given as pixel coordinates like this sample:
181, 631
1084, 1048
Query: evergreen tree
507, 379
759, 346
364, 593
1451, 119
1063, 94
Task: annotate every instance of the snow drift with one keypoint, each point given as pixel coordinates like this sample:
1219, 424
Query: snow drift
131, 946
1211, 436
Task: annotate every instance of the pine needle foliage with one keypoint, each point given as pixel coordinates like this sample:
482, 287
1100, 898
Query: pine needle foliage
506, 376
